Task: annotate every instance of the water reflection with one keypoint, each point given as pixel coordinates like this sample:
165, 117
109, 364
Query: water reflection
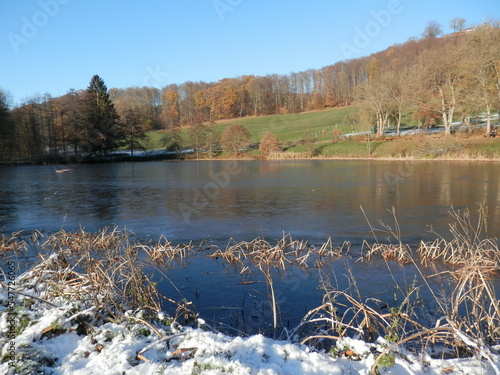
214, 199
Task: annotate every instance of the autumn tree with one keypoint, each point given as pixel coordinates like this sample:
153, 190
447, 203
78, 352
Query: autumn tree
145, 101
235, 138
30, 128
72, 123
170, 112
269, 144
104, 132
222, 99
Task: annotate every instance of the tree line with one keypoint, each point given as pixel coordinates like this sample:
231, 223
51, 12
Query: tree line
432, 80
79, 124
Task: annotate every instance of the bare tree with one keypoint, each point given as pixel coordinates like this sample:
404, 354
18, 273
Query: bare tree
457, 24
375, 96
432, 30
441, 77
133, 131
482, 72
398, 81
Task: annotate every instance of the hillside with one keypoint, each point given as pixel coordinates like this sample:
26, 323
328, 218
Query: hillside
356, 140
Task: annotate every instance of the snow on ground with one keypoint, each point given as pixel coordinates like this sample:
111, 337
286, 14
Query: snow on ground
47, 342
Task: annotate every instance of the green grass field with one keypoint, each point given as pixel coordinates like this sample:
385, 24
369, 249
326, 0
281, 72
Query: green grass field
288, 128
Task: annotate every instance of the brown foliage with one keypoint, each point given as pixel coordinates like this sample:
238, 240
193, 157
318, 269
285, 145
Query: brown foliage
269, 144
235, 138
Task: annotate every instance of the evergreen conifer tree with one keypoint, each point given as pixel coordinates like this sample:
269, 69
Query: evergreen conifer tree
104, 132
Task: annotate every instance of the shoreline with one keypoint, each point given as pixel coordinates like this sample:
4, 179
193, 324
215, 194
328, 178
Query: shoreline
316, 158
349, 158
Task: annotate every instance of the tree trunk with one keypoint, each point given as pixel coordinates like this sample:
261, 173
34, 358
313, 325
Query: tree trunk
488, 120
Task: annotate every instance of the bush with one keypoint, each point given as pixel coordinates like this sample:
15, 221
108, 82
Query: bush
269, 144
235, 138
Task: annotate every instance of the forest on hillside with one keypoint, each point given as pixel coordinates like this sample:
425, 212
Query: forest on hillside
432, 80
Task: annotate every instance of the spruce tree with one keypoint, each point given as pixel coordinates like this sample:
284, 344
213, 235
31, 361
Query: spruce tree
104, 132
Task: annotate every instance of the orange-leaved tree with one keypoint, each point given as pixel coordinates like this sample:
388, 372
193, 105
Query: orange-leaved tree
235, 138
269, 144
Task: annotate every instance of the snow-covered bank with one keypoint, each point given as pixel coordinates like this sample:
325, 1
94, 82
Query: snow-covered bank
61, 337
134, 348
88, 307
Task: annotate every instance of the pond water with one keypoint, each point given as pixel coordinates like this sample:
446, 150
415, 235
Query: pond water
217, 200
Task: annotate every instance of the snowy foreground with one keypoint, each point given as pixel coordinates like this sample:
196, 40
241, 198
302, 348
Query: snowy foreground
58, 337
48, 326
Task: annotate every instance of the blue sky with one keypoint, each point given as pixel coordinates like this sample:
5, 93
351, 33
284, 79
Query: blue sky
54, 45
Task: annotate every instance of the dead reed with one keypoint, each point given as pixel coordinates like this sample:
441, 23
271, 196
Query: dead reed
164, 252
13, 243
286, 251
470, 244
394, 249
104, 271
467, 317
99, 270
267, 257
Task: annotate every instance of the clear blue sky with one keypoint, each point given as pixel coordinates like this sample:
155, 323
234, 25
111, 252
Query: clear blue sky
54, 45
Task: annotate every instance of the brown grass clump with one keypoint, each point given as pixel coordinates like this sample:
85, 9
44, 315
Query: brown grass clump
99, 270
470, 246
14, 243
83, 241
164, 252
468, 315
389, 251
286, 251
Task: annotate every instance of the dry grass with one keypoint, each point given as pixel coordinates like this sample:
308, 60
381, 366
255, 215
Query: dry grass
164, 252
99, 270
394, 249
470, 245
13, 243
468, 316
103, 271
286, 251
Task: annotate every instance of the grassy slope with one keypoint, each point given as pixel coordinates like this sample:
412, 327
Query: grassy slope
292, 128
